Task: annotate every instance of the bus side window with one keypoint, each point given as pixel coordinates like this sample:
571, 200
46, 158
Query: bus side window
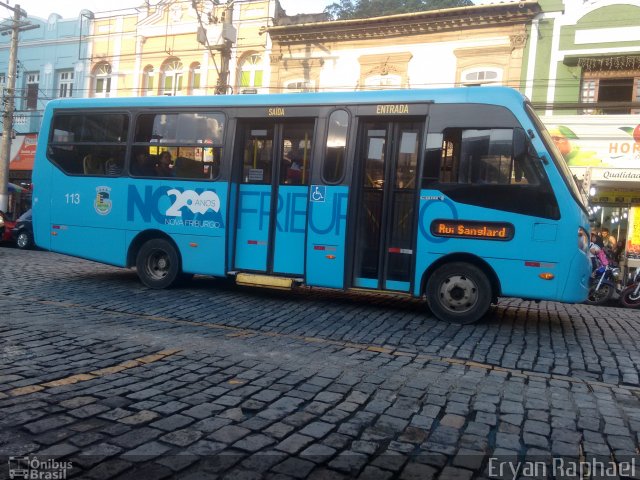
432, 157
81, 144
334, 159
478, 157
194, 140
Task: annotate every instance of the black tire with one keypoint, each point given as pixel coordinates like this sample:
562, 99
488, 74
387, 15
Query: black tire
158, 264
628, 299
459, 292
600, 296
24, 241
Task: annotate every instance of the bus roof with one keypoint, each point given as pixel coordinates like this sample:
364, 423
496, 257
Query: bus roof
484, 95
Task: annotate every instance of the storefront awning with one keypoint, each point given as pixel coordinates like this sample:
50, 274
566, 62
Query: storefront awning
23, 151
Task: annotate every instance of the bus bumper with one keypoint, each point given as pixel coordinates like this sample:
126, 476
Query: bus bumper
576, 287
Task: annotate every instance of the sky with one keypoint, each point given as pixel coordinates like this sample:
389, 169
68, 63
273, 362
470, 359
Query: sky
71, 9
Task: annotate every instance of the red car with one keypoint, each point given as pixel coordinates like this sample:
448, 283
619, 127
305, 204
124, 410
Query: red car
5, 227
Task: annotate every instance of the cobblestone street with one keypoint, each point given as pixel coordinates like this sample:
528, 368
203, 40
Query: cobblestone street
216, 381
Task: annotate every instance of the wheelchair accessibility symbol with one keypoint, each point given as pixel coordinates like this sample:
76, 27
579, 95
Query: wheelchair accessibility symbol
318, 193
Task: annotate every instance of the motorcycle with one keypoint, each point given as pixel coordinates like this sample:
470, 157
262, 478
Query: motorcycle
630, 296
603, 285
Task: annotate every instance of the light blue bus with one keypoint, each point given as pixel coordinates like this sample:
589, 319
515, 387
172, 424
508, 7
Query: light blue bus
455, 195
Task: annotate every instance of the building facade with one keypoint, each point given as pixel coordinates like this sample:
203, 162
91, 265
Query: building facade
51, 63
582, 71
584, 57
442, 48
180, 48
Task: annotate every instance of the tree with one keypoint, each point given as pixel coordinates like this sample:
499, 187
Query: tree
348, 9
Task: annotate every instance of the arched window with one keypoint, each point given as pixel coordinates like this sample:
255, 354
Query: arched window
481, 76
102, 80
147, 81
251, 72
172, 72
195, 79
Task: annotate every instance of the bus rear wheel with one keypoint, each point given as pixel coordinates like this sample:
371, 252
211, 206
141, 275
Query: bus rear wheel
158, 264
459, 292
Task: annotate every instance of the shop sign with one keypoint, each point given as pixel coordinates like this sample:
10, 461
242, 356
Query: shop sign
633, 235
610, 195
23, 151
597, 140
616, 174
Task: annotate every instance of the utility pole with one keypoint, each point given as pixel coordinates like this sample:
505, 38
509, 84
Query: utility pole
227, 34
225, 50
16, 27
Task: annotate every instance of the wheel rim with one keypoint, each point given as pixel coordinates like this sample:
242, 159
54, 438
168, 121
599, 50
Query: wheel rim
634, 297
22, 240
458, 293
158, 264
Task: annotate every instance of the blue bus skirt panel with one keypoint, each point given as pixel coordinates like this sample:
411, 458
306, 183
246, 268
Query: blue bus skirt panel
519, 248
290, 230
42, 232
192, 214
327, 235
86, 217
577, 292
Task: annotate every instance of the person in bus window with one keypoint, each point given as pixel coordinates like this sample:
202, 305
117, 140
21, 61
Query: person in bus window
293, 165
164, 168
113, 167
142, 166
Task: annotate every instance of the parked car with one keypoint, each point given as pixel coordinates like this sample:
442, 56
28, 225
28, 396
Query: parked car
6, 225
22, 232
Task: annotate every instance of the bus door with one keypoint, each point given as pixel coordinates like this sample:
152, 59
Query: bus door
385, 213
273, 196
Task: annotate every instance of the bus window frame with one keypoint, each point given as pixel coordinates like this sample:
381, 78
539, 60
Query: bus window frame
495, 117
85, 112
347, 159
222, 172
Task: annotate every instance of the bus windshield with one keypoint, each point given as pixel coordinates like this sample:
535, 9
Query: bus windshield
558, 159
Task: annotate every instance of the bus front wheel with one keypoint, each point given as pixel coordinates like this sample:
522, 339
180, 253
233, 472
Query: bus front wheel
157, 264
459, 292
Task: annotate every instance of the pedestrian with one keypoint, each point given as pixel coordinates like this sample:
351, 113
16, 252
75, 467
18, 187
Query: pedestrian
597, 255
598, 239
